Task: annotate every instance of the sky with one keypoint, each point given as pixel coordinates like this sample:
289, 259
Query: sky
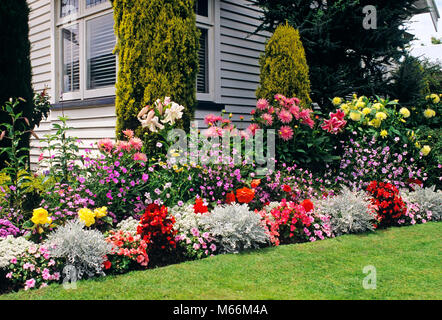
422, 27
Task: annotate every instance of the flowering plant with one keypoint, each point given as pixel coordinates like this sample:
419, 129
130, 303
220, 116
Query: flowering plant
390, 206
128, 252
292, 222
298, 140
156, 229
35, 268
7, 228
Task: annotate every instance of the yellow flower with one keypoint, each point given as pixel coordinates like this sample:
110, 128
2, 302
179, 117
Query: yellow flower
375, 123
404, 112
429, 113
360, 104
384, 133
435, 98
336, 101
345, 107
87, 216
417, 144
381, 115
100, 212
366, 111
40, 216
377, 106
426, 150
355, 116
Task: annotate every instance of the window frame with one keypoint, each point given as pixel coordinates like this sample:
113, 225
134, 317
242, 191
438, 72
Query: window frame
208, 23
81, 18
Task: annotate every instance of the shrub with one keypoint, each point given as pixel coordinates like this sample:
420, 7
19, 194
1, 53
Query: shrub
283, 67
83, 249
157, 51
390, 206
235, 228
428, 199
156, 228
15, 66
349, 212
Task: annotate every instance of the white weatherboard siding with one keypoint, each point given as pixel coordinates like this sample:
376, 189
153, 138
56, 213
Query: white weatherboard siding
236, 54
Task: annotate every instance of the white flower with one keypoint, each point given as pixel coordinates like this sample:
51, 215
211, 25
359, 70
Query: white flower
151, 122
173, 113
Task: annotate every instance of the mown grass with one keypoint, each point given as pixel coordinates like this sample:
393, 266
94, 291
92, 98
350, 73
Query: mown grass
407, 260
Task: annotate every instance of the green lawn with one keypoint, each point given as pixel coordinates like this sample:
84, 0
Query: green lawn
408, 262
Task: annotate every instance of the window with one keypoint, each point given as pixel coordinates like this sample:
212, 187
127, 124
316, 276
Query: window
205, 22
86, 40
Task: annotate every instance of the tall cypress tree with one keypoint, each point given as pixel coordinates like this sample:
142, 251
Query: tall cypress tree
15, 65
342, 55
158, 56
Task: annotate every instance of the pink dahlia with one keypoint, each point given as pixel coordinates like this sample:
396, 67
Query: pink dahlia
286, 133
136, 143
268, 119
140, 157
105, 145
285, 116
252, 128
262, 104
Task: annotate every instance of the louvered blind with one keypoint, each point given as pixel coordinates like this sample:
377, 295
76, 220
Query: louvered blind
101, 62
90, 3
71, 59
202, 83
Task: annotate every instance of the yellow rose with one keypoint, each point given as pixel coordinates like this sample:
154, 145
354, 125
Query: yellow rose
426, 150
384, 133
87, 216
336, 101
381, 115
40, 216
404, 112
377, 106
345, 107
360, 104
100, 212
429, 113
355, 116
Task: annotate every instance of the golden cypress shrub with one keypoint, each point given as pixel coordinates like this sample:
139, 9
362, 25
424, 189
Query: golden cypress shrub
157, 47
284, 67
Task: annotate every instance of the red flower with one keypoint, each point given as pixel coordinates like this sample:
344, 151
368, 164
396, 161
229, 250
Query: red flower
107, 264
255, 183
286, 188
199, 206
230, 197
245, 195
308, 205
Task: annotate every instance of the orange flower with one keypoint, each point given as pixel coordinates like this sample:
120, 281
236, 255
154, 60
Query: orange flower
245, 195
230, 197
255, 183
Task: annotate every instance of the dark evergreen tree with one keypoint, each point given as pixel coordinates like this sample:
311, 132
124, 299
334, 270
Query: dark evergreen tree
343, 56
15, 65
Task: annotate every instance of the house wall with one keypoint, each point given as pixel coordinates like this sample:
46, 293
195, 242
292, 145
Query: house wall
236, 77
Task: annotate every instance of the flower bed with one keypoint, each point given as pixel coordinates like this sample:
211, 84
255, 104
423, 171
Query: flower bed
127, 208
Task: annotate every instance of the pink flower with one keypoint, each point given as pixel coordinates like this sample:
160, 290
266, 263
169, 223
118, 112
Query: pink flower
294, 110
211, 119
262, 104
140, 157
252, 128
285, 116
196, 246
123, 145
268, 119
105, 145
30, 284
309, 122
136, 143
286, 133
212, 247
14, 260
40, 157
128, 133
9, 275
